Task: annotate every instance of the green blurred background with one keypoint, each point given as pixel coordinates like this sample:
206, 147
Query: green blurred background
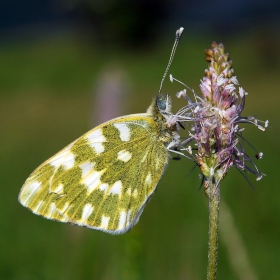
60, 61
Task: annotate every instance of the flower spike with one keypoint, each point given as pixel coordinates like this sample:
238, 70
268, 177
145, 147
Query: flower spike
216, 118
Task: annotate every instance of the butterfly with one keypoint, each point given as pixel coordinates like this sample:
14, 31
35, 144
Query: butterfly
104, 179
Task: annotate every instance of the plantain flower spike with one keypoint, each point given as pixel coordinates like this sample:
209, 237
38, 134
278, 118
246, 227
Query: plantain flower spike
218, 142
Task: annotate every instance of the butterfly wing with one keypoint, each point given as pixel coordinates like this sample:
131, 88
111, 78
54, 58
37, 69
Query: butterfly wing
102, 180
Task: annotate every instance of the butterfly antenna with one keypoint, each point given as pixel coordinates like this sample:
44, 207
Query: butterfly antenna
177, 38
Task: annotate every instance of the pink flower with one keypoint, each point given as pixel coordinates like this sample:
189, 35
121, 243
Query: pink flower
216, 117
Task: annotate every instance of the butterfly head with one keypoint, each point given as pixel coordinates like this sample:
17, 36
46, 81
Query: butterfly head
163, 102
160, 109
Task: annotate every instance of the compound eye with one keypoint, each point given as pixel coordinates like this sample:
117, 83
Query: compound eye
161, 103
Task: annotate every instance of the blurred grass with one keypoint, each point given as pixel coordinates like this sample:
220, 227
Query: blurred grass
46, 96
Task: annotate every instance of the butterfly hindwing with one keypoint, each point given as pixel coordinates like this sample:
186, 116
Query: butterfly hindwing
103, 179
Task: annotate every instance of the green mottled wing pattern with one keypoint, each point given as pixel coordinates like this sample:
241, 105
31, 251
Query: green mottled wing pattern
102, 180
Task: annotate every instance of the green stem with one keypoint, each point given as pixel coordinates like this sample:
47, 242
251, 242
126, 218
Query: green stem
213, 193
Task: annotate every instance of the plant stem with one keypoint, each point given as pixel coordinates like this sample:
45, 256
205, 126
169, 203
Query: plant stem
213, 193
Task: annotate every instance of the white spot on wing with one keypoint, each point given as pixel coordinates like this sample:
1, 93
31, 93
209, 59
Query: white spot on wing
96, 138
124, 131
128, 192
144, 157
135, 193
124, 155
65, 158
148, 179
86, 168
116, 188
122, 220
88, 209
103, 187
104, 222
92, 180
29, 191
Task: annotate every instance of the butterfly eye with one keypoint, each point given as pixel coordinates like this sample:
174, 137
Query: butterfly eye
162, 101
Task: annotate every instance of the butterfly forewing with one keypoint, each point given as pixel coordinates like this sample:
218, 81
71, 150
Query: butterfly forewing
103, 179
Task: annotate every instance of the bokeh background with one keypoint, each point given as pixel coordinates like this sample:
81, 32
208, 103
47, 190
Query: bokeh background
67, 66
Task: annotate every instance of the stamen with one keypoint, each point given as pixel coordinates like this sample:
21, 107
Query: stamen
266, 123
182, 94
259, 155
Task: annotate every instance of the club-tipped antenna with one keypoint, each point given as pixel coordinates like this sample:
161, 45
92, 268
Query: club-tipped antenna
177, 38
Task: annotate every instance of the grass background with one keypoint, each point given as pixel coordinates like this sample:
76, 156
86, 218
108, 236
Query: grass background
47, 96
